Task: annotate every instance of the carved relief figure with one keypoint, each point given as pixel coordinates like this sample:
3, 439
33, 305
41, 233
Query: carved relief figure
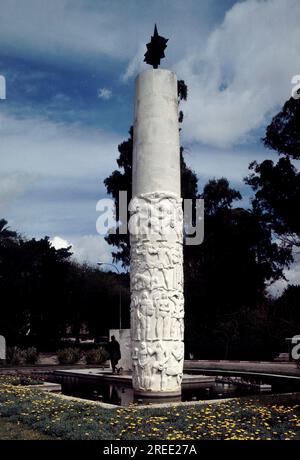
148, 310
159, 278
141, 281
145, 367
139, 222
163, 323
141, 321
135, 373
167, 221
174, 367
159, 367
133, 317
177, 324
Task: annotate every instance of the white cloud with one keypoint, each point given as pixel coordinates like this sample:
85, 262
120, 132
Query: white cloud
87, 248
12, 186
136, 64
104, 93
59, 243
244, 72
40, 146
210, 162
58, 28
84, 29
59, 177
2, 87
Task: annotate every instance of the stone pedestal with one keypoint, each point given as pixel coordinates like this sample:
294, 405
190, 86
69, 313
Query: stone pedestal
156, 222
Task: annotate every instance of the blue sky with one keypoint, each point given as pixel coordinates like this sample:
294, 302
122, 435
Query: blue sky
70, 66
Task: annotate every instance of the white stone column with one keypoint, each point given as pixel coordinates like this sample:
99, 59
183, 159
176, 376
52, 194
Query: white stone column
157, 305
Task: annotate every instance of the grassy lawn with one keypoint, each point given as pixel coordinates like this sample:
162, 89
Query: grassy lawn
16, 431
249, 418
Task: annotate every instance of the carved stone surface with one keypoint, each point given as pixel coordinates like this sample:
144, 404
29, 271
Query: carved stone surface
156, 226
157, 304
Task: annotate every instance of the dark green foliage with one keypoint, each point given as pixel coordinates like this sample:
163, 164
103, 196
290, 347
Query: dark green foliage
277, 196
44, 294
114, 183
31, 355
69, 355
283, 133
226, 277
96, 356
277, 186
14, 355
286, 314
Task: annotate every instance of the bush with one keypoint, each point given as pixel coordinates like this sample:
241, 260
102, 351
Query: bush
14, 355
31, 355
69, 355
96, 356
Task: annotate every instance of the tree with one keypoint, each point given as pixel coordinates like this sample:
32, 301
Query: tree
7, 236
32, 275
44, 293
283, 133
123, 181
285, 316
226, 278
277, 186
277, 195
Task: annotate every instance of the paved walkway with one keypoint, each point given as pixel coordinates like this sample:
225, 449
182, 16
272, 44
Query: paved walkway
210, 367
243, 367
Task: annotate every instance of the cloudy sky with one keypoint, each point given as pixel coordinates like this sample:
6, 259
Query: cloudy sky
70, 66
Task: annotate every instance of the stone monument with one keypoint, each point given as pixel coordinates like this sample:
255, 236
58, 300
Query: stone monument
156, 233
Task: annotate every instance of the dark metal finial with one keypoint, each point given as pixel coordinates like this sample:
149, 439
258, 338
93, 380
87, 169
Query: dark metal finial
155, 49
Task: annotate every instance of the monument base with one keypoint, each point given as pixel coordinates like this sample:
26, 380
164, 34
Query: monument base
157, 397
157, 394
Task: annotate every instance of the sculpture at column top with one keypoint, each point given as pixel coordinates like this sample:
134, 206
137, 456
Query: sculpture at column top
155, 49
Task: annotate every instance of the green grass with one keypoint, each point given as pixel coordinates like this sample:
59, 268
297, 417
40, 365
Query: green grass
12, 431
245, 418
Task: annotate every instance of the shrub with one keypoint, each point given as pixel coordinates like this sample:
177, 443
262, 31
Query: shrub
96, 356
69, 355
14, 355
31, 355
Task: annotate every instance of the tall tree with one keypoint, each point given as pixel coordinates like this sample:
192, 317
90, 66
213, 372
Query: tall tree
7, 236
44, 293
283, 133
287, 312
226, 277
277, 185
